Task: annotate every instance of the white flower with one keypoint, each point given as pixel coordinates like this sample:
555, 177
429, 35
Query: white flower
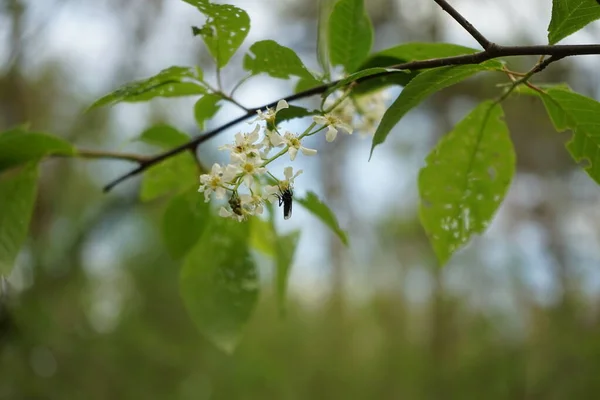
333, 123
269, 114
268, 142
215, 181
244, 144
345, 111
288, 183
252, 203
294, 144
225, 213
249, 167
371, 108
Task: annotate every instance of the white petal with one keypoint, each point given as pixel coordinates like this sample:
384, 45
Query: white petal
248, 180
276, 139
206, 196
253, 136
258, 209
288, 135
270, 189
321, 120
239, 139
245, 198
220, 193
331, 134
308, 152
288, 172
281, 104
293, 151
230, 172
216, 168
225, 213
297, 173
345, 127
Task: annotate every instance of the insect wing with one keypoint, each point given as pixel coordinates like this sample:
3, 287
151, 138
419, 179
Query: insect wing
287, 206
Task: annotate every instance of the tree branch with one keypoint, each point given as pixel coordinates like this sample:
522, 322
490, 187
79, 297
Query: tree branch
465, 24
491, 51
109, 155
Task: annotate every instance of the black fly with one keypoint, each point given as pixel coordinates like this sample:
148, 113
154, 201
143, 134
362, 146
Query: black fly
285, 198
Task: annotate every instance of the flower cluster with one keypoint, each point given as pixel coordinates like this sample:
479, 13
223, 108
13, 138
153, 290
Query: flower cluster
246, 181
362, 112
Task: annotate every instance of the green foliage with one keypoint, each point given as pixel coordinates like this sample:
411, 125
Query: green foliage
357, 75
415, 51
350, 34
281, 248
293, 112
421, 87
225, 29
18, 187
319, 209
185, 219
569, 16
205, 108
262, 236
18, 146
285, 247
306, 84
269, 57
176, 174
581, 114
465, 179
404, 53
219, 282
325, 7
170, 82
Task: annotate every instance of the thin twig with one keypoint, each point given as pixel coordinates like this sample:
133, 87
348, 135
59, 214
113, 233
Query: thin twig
465, 24
107, 155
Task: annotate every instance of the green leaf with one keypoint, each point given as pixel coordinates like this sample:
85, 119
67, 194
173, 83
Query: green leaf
219, 282
285, 247
306, 84
175, 174
293, 112
170, 82
417, 90
184, 221
268, 56
312, 203
569, 16
206, 108
18, 187
262, 236
18, 146
225, 29
405, 53
350, 34
358, 75
581, 114
325, 7
465, 180
413, 52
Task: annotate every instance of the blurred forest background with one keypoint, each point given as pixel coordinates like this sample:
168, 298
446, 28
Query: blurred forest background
94, 310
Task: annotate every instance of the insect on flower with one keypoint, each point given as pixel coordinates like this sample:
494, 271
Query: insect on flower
285, 197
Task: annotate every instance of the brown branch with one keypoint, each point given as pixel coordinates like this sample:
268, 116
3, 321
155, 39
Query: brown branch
107, 155
465, 24
491, 51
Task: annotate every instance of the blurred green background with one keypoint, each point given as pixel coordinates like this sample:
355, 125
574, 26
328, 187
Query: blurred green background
94, 311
